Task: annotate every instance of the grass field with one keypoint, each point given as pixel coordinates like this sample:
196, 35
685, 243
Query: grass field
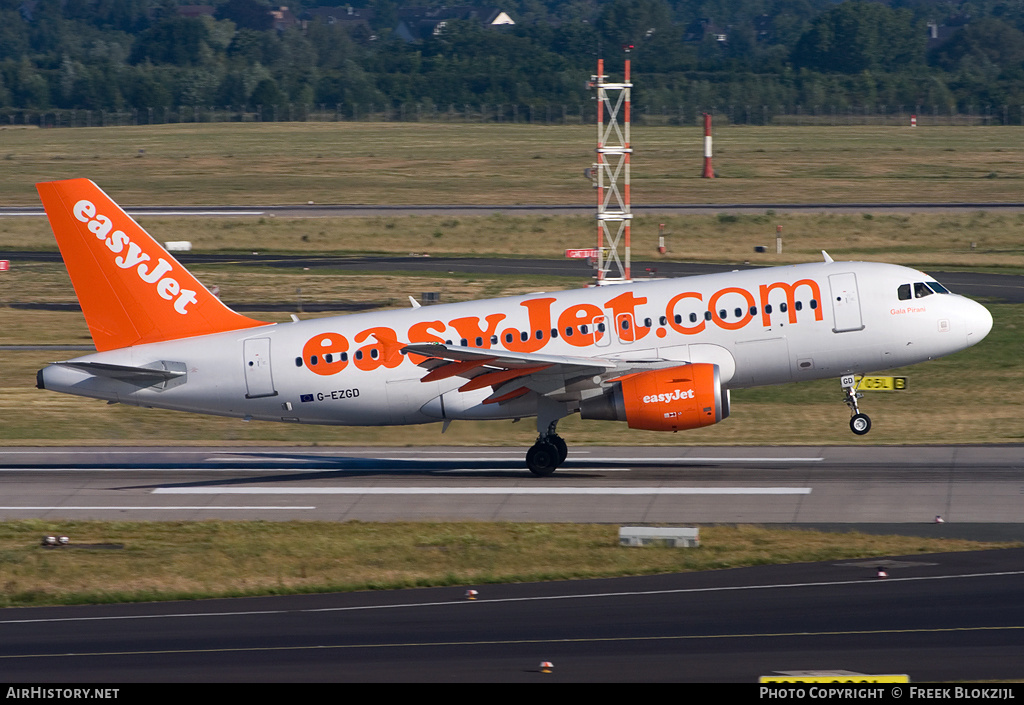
419, 163
193, 560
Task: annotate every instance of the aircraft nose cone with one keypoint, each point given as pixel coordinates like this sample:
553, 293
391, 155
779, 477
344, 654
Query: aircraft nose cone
979, 323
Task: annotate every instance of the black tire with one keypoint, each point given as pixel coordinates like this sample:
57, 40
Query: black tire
563, 449
860, 424
542, 458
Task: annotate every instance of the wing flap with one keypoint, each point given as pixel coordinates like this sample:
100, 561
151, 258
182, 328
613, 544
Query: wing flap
512, 375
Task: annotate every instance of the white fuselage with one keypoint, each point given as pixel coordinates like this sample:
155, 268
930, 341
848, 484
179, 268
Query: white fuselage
760, 326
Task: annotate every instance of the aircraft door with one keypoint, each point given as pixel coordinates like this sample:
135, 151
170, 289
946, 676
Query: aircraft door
258, 379
845, 303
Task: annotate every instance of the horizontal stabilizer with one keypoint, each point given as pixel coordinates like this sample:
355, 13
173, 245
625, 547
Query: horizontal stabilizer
159, 373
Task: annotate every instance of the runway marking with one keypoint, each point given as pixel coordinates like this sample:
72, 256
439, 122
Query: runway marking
151, 507
508, 642
473, 455
462, 602
149, 213
307, 469
489, 490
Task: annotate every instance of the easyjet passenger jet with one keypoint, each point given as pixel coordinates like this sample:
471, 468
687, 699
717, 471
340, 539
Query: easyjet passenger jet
659, 355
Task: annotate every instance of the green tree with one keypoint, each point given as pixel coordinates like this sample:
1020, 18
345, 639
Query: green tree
173, 40
861, 36
247, 14
266, 94
987, 42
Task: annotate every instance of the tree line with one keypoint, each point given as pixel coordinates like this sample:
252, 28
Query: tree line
146, 56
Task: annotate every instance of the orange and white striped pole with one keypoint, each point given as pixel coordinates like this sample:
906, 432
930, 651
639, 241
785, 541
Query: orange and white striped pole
709, 173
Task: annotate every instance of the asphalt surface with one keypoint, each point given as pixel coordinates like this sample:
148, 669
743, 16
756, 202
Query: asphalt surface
977, 490
942, 617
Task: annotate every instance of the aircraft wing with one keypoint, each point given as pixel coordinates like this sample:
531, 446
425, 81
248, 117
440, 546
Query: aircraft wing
512, 374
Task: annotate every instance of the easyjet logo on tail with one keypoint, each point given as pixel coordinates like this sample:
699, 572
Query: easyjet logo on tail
132, 256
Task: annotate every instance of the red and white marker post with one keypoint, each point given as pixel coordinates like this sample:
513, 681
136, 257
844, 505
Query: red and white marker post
709, 173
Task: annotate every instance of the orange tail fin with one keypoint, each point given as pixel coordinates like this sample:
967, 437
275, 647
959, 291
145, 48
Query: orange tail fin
131, 290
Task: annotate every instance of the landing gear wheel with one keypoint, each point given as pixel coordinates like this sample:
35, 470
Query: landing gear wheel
543, 458
860, 424
563, 449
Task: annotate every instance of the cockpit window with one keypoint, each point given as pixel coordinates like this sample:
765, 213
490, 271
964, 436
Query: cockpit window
937, 288
904, 292
921, 290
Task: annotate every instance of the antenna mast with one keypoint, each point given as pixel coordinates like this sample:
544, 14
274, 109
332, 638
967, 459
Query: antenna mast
613, 151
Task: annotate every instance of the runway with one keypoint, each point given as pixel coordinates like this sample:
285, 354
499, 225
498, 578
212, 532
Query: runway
941, 617
975, 489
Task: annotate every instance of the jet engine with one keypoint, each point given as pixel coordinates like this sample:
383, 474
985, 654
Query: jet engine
670, 399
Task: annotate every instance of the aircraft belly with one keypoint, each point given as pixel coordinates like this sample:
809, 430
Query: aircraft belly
764, 361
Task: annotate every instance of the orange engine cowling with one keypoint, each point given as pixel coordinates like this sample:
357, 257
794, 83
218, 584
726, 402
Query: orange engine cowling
672, 399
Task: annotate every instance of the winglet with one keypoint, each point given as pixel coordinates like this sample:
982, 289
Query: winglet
131, 290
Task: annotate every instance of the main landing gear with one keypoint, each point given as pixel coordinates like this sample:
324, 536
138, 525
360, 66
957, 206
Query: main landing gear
859, 423
550, 450
546, 454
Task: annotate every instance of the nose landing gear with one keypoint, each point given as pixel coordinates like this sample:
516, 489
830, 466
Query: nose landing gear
859, 423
